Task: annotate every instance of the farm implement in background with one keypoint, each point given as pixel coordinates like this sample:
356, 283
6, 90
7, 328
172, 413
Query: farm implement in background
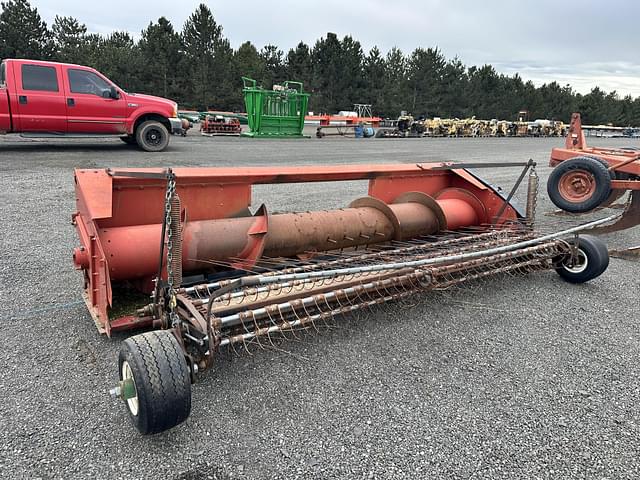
178, 252
275, 113
218, 125
587, 178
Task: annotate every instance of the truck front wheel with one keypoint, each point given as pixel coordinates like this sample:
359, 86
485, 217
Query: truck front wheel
152, 136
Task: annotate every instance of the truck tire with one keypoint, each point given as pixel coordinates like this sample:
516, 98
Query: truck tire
579, 184
152, 136
591, 260
162, 381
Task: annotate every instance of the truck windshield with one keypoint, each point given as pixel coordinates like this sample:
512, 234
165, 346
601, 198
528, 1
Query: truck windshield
2, 74
83, 81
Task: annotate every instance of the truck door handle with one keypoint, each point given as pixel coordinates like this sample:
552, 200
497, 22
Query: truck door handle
22, 99
71, 102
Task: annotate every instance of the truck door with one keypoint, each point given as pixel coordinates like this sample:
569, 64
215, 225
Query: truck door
90, 106
40, 99
5, 114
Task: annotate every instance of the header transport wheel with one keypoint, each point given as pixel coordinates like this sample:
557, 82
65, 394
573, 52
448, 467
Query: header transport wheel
587, 260
155, 381
579, 185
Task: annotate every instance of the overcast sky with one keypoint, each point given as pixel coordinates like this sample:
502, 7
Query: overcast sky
584, 43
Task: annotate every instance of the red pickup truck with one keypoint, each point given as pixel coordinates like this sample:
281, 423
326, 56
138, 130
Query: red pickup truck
48, 99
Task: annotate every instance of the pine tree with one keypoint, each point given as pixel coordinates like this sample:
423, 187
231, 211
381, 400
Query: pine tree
454, 79
23, 34
248, 62
119, 59
325, 59
425, 75
201, 37
272, 57
395, 87
69, 40
225, 91
373, 72
298, 65
351, 86
159, 48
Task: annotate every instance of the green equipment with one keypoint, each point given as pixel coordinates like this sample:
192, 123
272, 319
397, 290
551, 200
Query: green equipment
275, 113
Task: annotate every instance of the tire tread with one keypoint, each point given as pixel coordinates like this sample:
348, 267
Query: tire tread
162, 379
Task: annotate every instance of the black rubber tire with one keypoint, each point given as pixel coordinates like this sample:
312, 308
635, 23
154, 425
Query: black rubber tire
152, 136
162, 380
129, 140
595, 167
593, 258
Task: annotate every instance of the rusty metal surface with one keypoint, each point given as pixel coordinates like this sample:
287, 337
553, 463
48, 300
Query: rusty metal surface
630, 216
132, 251
119, 213
631, 253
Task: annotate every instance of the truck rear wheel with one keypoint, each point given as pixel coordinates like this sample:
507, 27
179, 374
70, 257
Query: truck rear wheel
154, 368
152, 136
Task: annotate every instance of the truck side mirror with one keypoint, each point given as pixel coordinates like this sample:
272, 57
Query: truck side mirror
113, 93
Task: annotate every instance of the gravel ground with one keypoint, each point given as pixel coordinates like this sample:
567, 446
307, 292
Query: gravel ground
508, 378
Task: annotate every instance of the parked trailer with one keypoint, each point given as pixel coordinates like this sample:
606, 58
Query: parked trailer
357, 130
178, 252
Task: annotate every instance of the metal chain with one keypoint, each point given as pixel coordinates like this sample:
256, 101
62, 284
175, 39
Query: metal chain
169, 194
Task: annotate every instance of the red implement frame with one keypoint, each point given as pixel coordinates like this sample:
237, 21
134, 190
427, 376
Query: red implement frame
618, 159
119, 213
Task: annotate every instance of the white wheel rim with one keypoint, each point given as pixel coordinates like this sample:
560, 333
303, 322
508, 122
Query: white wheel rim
127, 374
580, 265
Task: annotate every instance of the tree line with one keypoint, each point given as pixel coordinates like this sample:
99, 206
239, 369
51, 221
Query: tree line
197, 67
